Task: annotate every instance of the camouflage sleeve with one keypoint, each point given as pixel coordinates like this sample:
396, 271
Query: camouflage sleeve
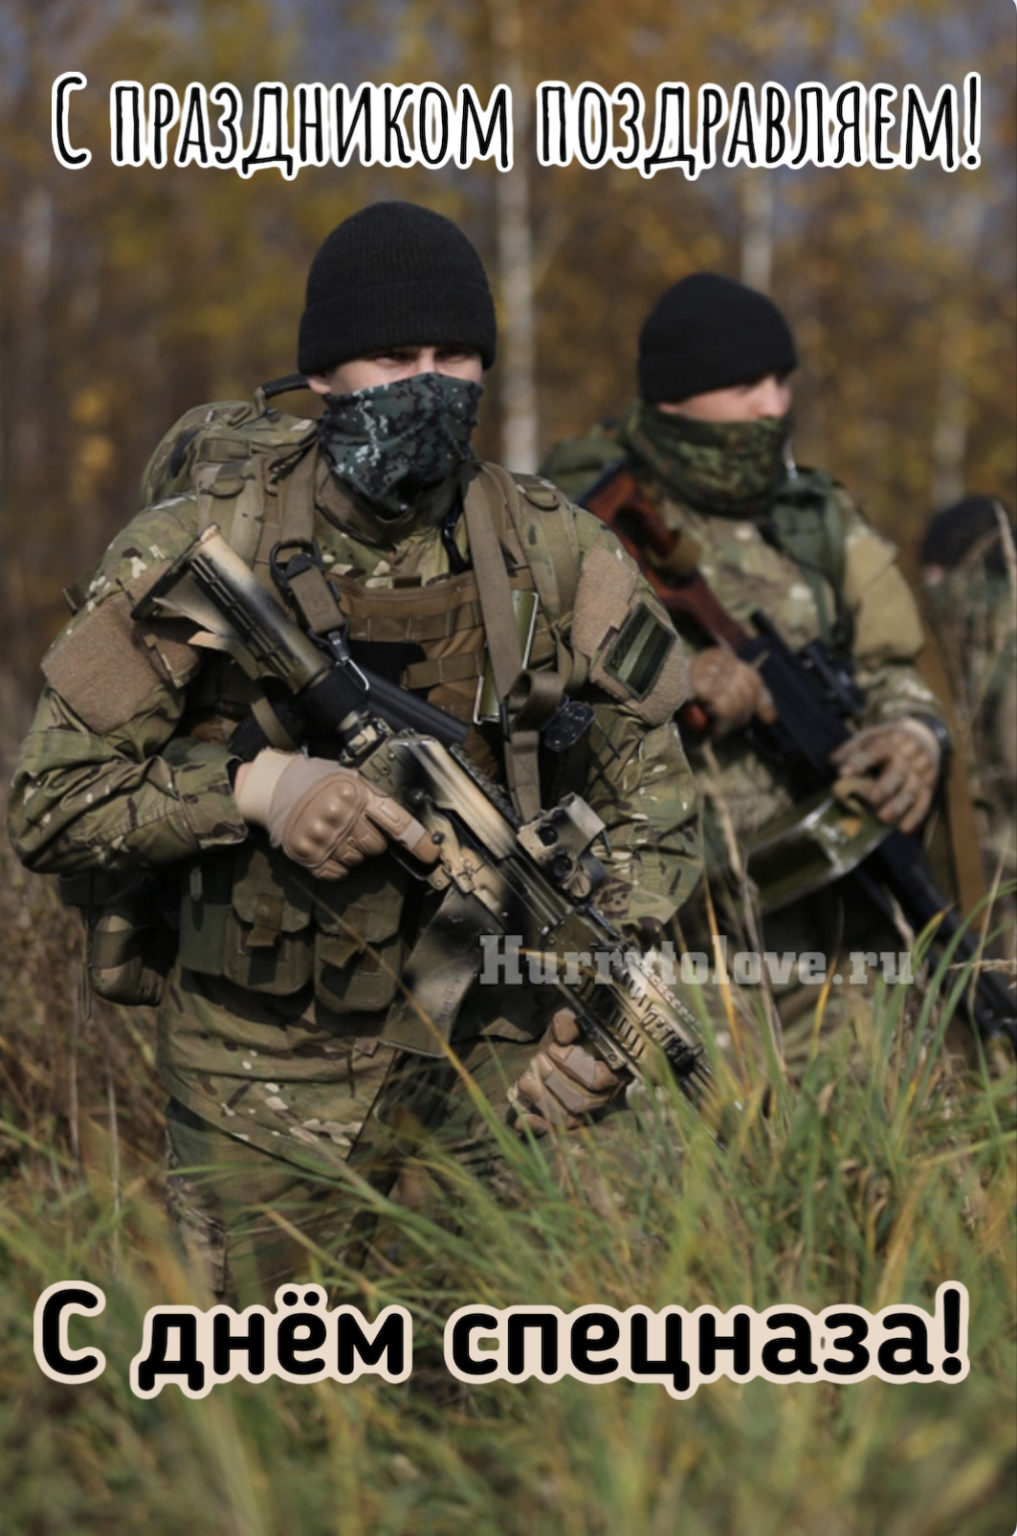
888, 635
101, 779
642, 788
576, 464
639, 780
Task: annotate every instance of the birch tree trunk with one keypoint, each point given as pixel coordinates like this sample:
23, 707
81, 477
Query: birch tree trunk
517, 343
949, 444
758, 207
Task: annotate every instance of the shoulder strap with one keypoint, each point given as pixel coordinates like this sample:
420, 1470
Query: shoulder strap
287, 494
549, 541
259, 501
809, 526
528, 698
233, 496
272, 502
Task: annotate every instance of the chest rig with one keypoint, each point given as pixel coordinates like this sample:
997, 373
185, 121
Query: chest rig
251, 917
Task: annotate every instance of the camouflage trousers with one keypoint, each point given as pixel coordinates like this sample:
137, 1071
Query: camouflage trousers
251, 1220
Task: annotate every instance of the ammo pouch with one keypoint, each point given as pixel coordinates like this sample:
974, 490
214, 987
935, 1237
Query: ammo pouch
249, 915
130, 933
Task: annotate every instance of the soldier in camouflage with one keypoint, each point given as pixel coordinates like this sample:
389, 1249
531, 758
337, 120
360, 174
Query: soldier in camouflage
708, 444
970, 578
295, 918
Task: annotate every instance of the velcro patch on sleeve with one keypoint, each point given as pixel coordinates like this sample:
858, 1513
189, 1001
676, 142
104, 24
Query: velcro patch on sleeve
174, 658
635, 655
106, 666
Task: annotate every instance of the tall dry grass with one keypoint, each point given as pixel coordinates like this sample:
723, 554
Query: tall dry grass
887, 1169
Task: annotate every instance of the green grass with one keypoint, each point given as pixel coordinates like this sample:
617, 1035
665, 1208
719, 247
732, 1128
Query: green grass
870, 1193
886, 1170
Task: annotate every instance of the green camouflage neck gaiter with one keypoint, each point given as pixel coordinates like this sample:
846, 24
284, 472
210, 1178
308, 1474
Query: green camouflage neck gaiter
394, 442
731, 468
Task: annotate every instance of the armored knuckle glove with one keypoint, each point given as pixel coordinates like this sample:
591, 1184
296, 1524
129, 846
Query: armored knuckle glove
730, 690
325, 817
904, 757
564, 1082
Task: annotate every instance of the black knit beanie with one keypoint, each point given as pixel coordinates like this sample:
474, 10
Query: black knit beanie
394, 275
708, 332
955, 530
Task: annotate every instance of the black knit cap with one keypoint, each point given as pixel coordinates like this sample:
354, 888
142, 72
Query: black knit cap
394, 275
708, 332
955, 530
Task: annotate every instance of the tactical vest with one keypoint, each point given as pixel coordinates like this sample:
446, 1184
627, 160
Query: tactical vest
248, 914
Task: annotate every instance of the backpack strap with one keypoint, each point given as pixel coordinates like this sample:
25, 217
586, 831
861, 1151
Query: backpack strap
544, 523
528, 698
288, 519
273, 503
287, 503
555, 577
293, 478
808, 524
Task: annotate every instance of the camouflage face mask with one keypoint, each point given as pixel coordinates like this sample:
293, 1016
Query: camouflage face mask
392, 442
732, 468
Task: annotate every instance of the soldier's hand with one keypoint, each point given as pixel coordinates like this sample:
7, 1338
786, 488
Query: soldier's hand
564, 1082
324, 817
729, 689
904, 756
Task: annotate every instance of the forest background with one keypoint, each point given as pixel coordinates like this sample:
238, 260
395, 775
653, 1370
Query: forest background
128, 295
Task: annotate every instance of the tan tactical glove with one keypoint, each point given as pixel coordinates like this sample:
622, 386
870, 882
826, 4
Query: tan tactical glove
564, 1081
729, 689
322, 816
907, 757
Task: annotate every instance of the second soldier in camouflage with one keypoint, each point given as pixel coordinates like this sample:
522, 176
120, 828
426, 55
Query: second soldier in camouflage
708, 444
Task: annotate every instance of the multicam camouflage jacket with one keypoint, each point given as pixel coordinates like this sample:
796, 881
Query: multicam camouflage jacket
850, 575
278, 979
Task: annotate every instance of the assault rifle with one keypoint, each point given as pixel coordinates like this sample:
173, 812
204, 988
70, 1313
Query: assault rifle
817, 703
495, 874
